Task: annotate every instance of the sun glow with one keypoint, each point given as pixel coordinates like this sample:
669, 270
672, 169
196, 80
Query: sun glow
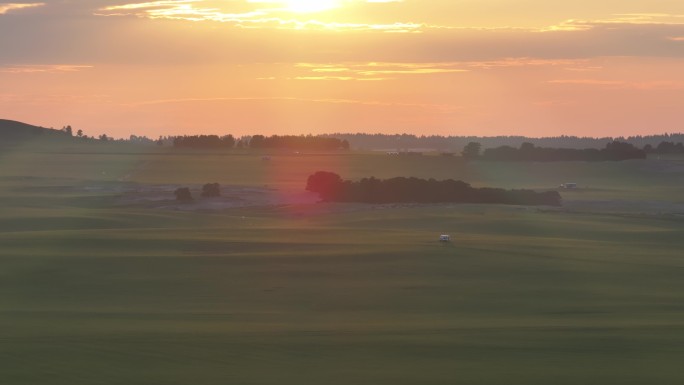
309, 6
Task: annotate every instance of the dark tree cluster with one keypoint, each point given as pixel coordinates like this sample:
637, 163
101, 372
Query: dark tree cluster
293, 142
183, 195
332, 188
614, 151
471, 150
665, 148
141, 140
204, 141
210, 190
68, 130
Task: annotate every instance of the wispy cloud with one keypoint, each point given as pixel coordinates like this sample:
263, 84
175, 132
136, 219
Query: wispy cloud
620, 84
644, 18
552, 103
282, 14
262, 14
339, 78
360, 71
7, 7
54, 98
325, 78
370, 71
591, 82
44, 68
520, 62
443, 108
584, 68
617, 19
179, 10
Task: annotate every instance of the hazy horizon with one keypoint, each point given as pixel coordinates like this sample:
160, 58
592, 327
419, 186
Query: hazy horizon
438, 67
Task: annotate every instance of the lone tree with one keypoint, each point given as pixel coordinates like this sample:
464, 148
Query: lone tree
183, 195
471, 150
211, 190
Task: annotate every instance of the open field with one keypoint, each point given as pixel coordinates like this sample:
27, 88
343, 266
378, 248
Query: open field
104, 279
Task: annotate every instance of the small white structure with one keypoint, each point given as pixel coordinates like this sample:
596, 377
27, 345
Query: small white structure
568, 185
444, 238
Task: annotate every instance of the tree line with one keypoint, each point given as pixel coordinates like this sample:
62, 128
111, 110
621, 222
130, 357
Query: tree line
204, 141
613, 151
302, 142
289, 142
665, 148
332, 188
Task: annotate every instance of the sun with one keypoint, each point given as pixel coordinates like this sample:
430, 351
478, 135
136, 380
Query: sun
309, 6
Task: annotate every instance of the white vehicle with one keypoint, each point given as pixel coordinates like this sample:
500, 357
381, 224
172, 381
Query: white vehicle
444, 238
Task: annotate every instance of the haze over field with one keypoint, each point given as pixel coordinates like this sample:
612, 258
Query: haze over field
489, 67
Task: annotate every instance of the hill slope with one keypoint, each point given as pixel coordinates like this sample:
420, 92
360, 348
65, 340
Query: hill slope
13, 131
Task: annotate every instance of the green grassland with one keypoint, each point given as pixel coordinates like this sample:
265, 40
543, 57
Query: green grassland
93, 291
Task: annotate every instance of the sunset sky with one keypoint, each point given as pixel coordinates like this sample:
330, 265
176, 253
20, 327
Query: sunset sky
449, 67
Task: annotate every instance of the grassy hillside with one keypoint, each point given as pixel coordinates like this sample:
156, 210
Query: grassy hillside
97, 291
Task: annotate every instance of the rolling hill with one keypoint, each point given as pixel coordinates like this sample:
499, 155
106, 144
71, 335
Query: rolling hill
12, 131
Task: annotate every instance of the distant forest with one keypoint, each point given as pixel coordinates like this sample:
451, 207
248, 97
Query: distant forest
332, 188
204, 141
406, 142
292, 142
527, 150
308, 142
614, 151
513, 148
